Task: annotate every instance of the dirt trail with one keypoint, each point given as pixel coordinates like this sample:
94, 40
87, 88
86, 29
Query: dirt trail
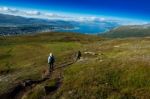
19, 90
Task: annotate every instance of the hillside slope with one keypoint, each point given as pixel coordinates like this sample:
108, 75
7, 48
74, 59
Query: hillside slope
114, 69
24, 57
108, 69
128, 31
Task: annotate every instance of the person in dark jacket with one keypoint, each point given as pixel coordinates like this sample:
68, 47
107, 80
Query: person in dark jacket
78, 55
51, 61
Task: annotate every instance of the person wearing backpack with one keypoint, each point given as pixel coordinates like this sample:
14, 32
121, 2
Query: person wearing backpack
78, 56
51, 61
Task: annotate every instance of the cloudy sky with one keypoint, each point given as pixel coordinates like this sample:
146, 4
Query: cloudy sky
135, 11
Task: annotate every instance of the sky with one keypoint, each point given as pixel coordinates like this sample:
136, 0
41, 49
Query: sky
137, 10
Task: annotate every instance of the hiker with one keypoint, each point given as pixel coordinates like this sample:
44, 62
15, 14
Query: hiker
51, 61
78, 55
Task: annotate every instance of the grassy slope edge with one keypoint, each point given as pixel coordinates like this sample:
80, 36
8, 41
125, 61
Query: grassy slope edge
128, 31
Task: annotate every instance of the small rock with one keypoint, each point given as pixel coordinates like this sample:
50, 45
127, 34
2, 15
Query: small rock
101, 60
91, 53
116, 46
70, 92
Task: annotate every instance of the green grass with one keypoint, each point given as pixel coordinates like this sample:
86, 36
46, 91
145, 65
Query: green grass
119, 69
121, 72
25, 57
36, 93
128, 31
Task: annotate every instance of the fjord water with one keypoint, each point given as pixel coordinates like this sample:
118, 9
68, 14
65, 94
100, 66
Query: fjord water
91, 27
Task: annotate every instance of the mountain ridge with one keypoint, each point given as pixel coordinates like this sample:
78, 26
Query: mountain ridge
128, 31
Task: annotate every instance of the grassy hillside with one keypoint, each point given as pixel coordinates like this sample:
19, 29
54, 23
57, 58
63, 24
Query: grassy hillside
108, 69
25, 57
128, 31
117, 69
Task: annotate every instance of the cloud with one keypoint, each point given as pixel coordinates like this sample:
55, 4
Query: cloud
6, 9
33, 13
92, 19
47, 15
38, 14
51, 15
96, 18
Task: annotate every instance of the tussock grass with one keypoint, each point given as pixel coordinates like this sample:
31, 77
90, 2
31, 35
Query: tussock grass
25, 57
120, 72
37, 93
118, 69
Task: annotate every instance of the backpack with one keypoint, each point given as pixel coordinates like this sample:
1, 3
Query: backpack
51, 59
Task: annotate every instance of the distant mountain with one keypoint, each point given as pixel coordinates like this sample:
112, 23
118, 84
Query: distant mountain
128, 31
16, 25
18, 20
